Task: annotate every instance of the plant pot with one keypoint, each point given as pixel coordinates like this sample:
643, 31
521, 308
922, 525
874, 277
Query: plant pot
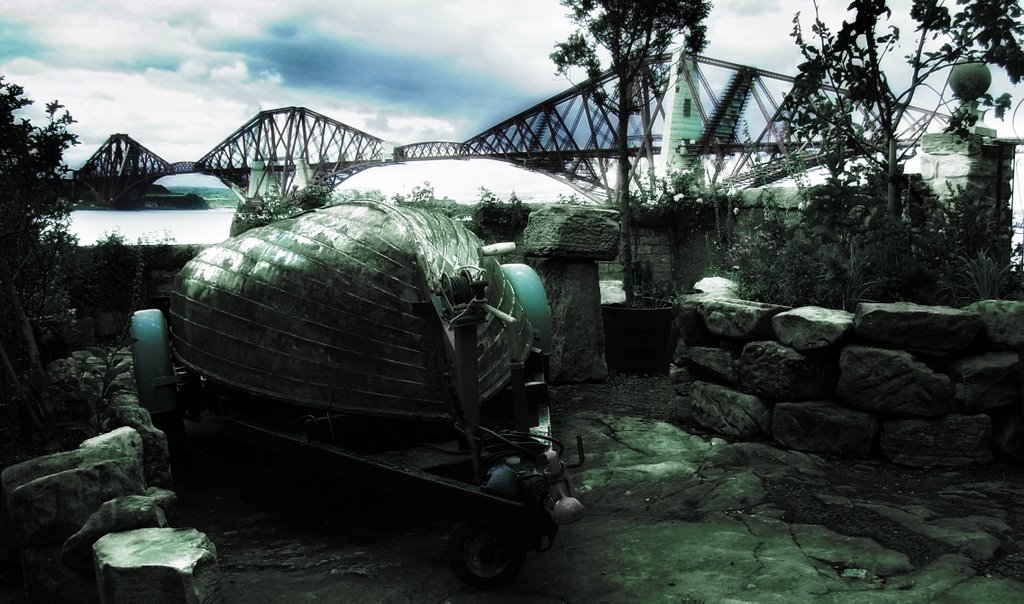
637, 340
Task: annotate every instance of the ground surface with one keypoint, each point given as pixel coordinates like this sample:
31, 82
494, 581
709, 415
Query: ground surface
673, 516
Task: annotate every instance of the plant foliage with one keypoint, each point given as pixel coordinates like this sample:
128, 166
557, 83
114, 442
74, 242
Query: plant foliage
631, 32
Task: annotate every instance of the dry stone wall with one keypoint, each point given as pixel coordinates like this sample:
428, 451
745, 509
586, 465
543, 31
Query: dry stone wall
76, 511
915, 385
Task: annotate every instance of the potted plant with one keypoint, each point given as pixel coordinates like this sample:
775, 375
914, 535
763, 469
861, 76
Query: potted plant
639, 337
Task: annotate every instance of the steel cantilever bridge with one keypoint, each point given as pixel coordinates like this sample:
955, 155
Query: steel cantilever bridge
688, 108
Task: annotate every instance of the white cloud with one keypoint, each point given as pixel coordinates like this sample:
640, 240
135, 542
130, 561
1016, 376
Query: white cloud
237, 72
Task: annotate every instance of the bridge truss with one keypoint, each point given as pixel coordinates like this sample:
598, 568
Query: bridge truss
121, 165
290, 147
735, 115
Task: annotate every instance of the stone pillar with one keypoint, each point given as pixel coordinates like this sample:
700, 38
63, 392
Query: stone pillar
979, 165
568, 241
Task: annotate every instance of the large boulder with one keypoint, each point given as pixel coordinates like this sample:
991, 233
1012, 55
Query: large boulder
122, 445
823, 427
812, 327
891, 381
716, 363
729, 412
771, 370
986, 381
739, 319
166, 500
910, 325
1002, 321
717, 287
572, 232
125, 410
686, 308
157, 565
50, 509
577, 331
119, 514
952, 440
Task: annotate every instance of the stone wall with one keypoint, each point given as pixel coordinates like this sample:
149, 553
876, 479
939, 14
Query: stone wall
983, 168
73, 512
916, 385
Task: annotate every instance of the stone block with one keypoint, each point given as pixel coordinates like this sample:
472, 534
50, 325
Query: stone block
952, 440
986, 381
1002, 321
773, 371
125, 442
119, 514
910, 325
822, 427
739, 319
572, 232
946, 143
681, 379
166, 500
892, 381
689, 321
954, 166
50, 509
126, 411
577, 329
157, 566
812, 327
716, 363
99, 450
729, 412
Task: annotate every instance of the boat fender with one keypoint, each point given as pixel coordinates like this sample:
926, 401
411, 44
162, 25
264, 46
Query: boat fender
151, 354
530, 293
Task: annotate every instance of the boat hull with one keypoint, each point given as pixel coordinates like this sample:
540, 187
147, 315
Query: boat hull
331, 309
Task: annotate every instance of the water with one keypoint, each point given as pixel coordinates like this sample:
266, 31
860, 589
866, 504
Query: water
153, 226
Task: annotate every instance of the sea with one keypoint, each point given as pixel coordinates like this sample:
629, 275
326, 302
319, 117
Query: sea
153, 226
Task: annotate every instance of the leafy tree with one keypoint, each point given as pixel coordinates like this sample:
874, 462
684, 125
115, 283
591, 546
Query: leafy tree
631, 32
866, 119
33, 219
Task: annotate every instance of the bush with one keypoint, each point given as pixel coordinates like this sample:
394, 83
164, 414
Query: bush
844, 249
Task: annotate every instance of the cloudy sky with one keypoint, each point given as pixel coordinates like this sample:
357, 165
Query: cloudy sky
181, 75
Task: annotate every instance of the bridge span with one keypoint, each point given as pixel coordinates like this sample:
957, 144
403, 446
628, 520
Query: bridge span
690, 107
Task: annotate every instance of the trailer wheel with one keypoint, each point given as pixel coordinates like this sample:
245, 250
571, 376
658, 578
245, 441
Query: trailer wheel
483, 557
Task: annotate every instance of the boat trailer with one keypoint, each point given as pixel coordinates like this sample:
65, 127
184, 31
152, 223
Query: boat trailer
509, 486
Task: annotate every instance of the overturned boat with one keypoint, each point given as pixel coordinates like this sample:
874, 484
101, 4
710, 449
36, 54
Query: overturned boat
339, 309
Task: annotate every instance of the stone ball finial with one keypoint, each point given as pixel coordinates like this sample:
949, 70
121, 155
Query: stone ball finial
970, 80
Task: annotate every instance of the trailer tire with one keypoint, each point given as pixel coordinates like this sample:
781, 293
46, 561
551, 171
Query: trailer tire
483, 557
